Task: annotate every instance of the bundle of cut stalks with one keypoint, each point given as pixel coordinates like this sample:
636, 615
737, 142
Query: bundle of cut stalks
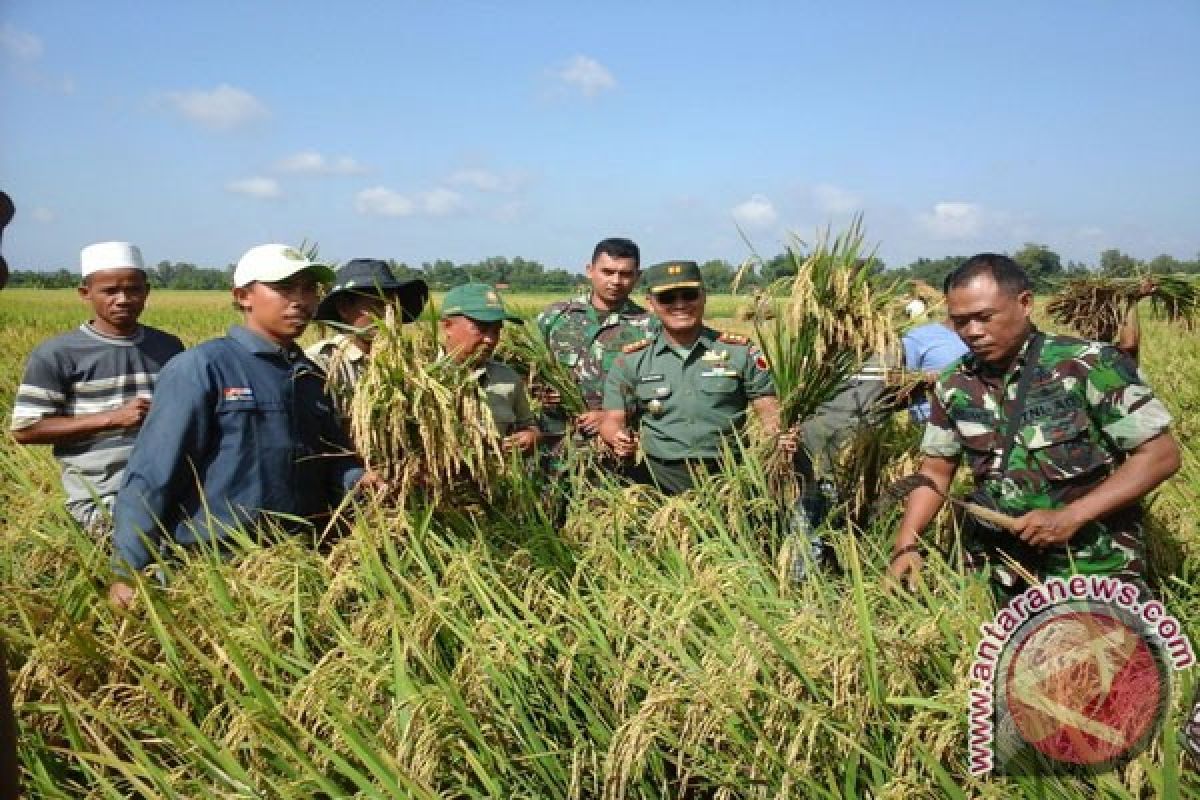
420, 419
758, 308
924, 292
1096, 307
831, 319
523, 349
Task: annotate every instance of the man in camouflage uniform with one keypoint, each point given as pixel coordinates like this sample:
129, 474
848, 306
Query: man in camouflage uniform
1091, 441
686, 385
587, 333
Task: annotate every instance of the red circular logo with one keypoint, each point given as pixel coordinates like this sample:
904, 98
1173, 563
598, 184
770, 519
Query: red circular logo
1084, 687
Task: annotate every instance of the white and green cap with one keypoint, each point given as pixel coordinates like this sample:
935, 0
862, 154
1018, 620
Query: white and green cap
276, 262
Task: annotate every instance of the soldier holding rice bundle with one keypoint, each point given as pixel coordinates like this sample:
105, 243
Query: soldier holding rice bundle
689, 385
1061, 434
587, 332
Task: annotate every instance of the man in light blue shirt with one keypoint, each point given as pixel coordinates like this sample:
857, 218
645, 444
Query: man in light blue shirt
929, 349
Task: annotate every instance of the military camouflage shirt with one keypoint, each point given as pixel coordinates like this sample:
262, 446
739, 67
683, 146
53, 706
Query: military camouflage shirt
587, 343
1085, 407
688, 400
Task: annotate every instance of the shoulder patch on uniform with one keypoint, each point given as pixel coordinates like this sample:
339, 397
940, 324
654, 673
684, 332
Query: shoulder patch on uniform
633, 347
733, 338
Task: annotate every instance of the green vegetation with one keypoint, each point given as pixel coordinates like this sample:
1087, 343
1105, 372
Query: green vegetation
644, 649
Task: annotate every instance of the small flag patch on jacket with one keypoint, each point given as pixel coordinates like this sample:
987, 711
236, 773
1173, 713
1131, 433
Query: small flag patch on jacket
233, 393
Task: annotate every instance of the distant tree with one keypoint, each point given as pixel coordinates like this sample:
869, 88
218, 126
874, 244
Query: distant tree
1116, 264
781, 266
933, 271
442, 275
1042, 264
1165, 265
718, 275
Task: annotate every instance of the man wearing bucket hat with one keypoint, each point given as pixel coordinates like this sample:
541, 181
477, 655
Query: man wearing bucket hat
88, 391
687, 386
359, 297
242, 433
472, 316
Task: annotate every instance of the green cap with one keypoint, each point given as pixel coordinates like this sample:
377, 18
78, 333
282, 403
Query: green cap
479, 301
673, 275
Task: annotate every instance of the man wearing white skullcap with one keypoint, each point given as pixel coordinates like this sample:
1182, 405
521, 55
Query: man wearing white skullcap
87, 391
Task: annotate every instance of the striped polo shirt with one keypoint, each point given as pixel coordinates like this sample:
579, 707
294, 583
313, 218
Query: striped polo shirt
85, 372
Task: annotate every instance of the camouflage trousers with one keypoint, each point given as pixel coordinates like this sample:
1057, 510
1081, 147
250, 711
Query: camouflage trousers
1114, 546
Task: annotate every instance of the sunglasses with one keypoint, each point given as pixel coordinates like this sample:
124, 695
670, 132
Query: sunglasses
683, 295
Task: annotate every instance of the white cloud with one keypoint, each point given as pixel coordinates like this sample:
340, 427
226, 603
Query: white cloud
483, 180
380, 201
441, 202
832, 199
42, 214
953, 220
20, 44
223, 108
587, 75
262, 188
310, 162
757, 212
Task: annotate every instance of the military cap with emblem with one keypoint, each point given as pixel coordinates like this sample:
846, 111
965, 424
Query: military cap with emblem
673, 275
479, 302
373, 276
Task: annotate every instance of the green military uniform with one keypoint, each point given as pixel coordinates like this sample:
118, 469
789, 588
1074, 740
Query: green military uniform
689, 401
586, 342
503, 388
506, 396
1086, 406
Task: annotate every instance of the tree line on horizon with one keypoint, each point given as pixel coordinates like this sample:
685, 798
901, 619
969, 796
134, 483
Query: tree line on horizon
1044, 266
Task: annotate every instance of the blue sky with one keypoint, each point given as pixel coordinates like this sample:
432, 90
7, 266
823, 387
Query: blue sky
465, 130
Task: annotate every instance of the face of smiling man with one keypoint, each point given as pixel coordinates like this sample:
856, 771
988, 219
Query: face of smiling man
681, 312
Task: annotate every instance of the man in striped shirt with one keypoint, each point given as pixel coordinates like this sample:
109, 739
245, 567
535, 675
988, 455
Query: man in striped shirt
86, 392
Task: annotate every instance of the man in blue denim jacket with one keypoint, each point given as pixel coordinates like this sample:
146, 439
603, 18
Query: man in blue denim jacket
242, 429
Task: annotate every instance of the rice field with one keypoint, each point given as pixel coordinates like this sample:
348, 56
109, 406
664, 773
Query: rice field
641, 649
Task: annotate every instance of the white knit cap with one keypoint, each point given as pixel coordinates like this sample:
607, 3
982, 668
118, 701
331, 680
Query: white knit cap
110, 255
915, 308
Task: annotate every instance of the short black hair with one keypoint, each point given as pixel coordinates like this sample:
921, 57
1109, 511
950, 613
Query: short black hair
1007, 273
617, 247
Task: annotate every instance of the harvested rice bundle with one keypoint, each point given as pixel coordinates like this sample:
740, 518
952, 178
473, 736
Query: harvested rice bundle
1096, 307
831, 319
421, 420
524, 349
1177, 298
757, 308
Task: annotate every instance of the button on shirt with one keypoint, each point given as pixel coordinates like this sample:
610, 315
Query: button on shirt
249, 420
689, 399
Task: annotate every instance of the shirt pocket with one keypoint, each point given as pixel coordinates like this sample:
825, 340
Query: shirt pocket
719, 384
1062, 449
981, 445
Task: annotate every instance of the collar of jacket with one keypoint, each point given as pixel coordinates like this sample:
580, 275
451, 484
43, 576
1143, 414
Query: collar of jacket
971, 364
261, 346
708, 337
